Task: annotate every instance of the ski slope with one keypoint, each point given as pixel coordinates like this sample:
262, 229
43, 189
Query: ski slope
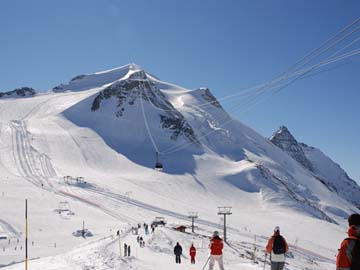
53, 135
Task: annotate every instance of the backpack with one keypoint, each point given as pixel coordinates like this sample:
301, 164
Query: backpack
355, 261
279, 246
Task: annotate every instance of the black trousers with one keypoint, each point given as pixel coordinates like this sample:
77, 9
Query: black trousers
277, 265
177, 258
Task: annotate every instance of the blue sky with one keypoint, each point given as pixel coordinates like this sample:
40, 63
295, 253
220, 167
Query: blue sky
224, 45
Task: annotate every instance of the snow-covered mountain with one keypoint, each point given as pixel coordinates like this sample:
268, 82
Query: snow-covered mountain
106, 128
18, 92
324, 169
182, 124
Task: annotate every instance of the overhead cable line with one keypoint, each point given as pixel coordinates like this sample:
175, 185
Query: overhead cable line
146, 122
329, 61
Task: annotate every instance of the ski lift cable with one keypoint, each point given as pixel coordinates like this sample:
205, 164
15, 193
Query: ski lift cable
336, 42
248, 91
156, 107
347, 46
195, 106
269, 85
147, 124
301, 75
245, 95
275, 88
284, 76
306, 70
325, 42
329, 61
323, 63
304, 58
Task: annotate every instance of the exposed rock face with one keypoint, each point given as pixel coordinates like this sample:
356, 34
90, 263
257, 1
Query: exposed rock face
320, 166
286, 141
19, 92
127, 92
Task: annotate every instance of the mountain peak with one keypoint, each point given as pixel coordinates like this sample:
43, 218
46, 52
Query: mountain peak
283, 133
283, 139
101, 78
321, 166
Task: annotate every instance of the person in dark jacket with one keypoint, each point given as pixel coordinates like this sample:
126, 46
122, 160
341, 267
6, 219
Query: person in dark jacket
345, 259
129, 251
277, 248
178, 252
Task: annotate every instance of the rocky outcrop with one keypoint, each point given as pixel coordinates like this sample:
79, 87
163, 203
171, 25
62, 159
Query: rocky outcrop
325, 170
19, 92
283, 139
127, 92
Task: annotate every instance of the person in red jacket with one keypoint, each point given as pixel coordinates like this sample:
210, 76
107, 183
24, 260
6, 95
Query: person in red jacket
216, 246
192, 252
348, 258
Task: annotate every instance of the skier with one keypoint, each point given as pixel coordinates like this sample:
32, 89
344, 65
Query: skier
277, 247
129, 250
141, 241
177, 252
125, 249
192, 252
348, 257
216, 246
138, 238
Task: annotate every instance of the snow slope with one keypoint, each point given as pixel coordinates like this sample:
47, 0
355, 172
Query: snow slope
323, 168
85, 153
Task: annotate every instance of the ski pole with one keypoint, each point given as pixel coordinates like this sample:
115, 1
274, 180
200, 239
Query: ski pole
206, 262
265, 260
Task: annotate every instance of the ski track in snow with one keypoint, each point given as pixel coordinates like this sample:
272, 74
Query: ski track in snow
9, 229
32, 165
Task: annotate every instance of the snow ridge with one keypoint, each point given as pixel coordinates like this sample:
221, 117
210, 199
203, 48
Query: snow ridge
322, 167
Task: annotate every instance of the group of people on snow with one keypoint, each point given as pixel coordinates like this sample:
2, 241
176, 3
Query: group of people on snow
216, 246
348, 257
178, 253
127, 250
140, 240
